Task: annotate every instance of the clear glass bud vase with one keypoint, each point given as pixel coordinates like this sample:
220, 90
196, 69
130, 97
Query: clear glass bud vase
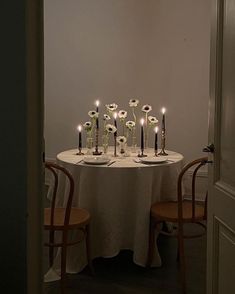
105, 143
133, 143
89, 145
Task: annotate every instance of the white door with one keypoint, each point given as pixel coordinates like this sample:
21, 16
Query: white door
221, 205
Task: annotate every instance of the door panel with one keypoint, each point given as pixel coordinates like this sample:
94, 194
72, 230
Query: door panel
227, 167
224, 240
221, 204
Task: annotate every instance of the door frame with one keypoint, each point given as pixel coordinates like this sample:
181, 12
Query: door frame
35, 143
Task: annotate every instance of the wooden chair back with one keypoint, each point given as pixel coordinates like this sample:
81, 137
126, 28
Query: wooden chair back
54, 169
197, 164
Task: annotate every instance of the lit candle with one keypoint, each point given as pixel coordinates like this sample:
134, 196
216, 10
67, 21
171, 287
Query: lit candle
79, 128
115, 121
115, 133
97, 103
156, 140
142, 134
163, 119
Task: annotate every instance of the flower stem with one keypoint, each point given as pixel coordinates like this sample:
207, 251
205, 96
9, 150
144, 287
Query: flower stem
146, 130
133, 111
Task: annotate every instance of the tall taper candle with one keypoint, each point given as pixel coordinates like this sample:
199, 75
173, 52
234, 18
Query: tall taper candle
156, 140
115, 133
79, 137
97, 103
115, 122
163, 119
142, 135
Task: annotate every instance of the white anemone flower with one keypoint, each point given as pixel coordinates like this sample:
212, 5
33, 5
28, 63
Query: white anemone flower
134, 102
146, 108
111, 107
107, 117
87, 126
121, 139
122, 114
130, 124
152, 120
110, 128
93, 114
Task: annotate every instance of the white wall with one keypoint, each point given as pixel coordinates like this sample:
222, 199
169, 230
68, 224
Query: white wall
155, 50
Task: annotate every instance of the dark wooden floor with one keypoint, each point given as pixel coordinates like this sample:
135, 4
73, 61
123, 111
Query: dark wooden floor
120, 275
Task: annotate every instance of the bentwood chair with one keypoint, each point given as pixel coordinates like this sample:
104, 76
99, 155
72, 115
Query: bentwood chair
63, 220
179, 212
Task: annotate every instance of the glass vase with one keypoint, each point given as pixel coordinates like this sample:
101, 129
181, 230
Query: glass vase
89, 145
122, 149
105, 143
133, 144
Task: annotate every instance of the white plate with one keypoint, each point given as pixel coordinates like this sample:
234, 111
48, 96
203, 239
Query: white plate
96, 159
154, 159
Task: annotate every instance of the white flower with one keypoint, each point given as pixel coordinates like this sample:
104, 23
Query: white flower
110, 128
93, 114
133, 102
146, 108
122, 114
121, 139
107, 117
111, 107
130, 124
152, 120
87, 125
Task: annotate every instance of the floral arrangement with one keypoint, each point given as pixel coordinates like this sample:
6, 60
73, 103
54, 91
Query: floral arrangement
128, 127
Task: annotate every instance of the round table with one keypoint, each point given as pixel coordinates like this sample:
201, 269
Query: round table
118, 198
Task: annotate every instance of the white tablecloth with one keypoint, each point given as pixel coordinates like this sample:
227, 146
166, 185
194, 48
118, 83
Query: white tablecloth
118, 198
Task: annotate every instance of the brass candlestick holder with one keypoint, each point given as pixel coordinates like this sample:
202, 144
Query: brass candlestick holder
163, 144
142, 153
97, 152
80, 151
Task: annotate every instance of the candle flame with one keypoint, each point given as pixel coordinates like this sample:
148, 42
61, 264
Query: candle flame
163, 110
79, 128
142, 121
156, 129
115, 115
97, 103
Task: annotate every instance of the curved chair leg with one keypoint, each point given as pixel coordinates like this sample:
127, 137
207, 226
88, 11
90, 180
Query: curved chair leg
63, 262
87, 230
51, 248
181, 258
152, 226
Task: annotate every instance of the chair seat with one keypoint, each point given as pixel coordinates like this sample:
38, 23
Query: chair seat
78, 218
168, 211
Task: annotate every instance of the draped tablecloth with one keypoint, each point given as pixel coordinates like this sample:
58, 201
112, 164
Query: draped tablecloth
118, 198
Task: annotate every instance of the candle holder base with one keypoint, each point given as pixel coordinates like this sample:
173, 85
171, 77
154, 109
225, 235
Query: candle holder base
96, 152
80, 153
163, 153
142, 154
